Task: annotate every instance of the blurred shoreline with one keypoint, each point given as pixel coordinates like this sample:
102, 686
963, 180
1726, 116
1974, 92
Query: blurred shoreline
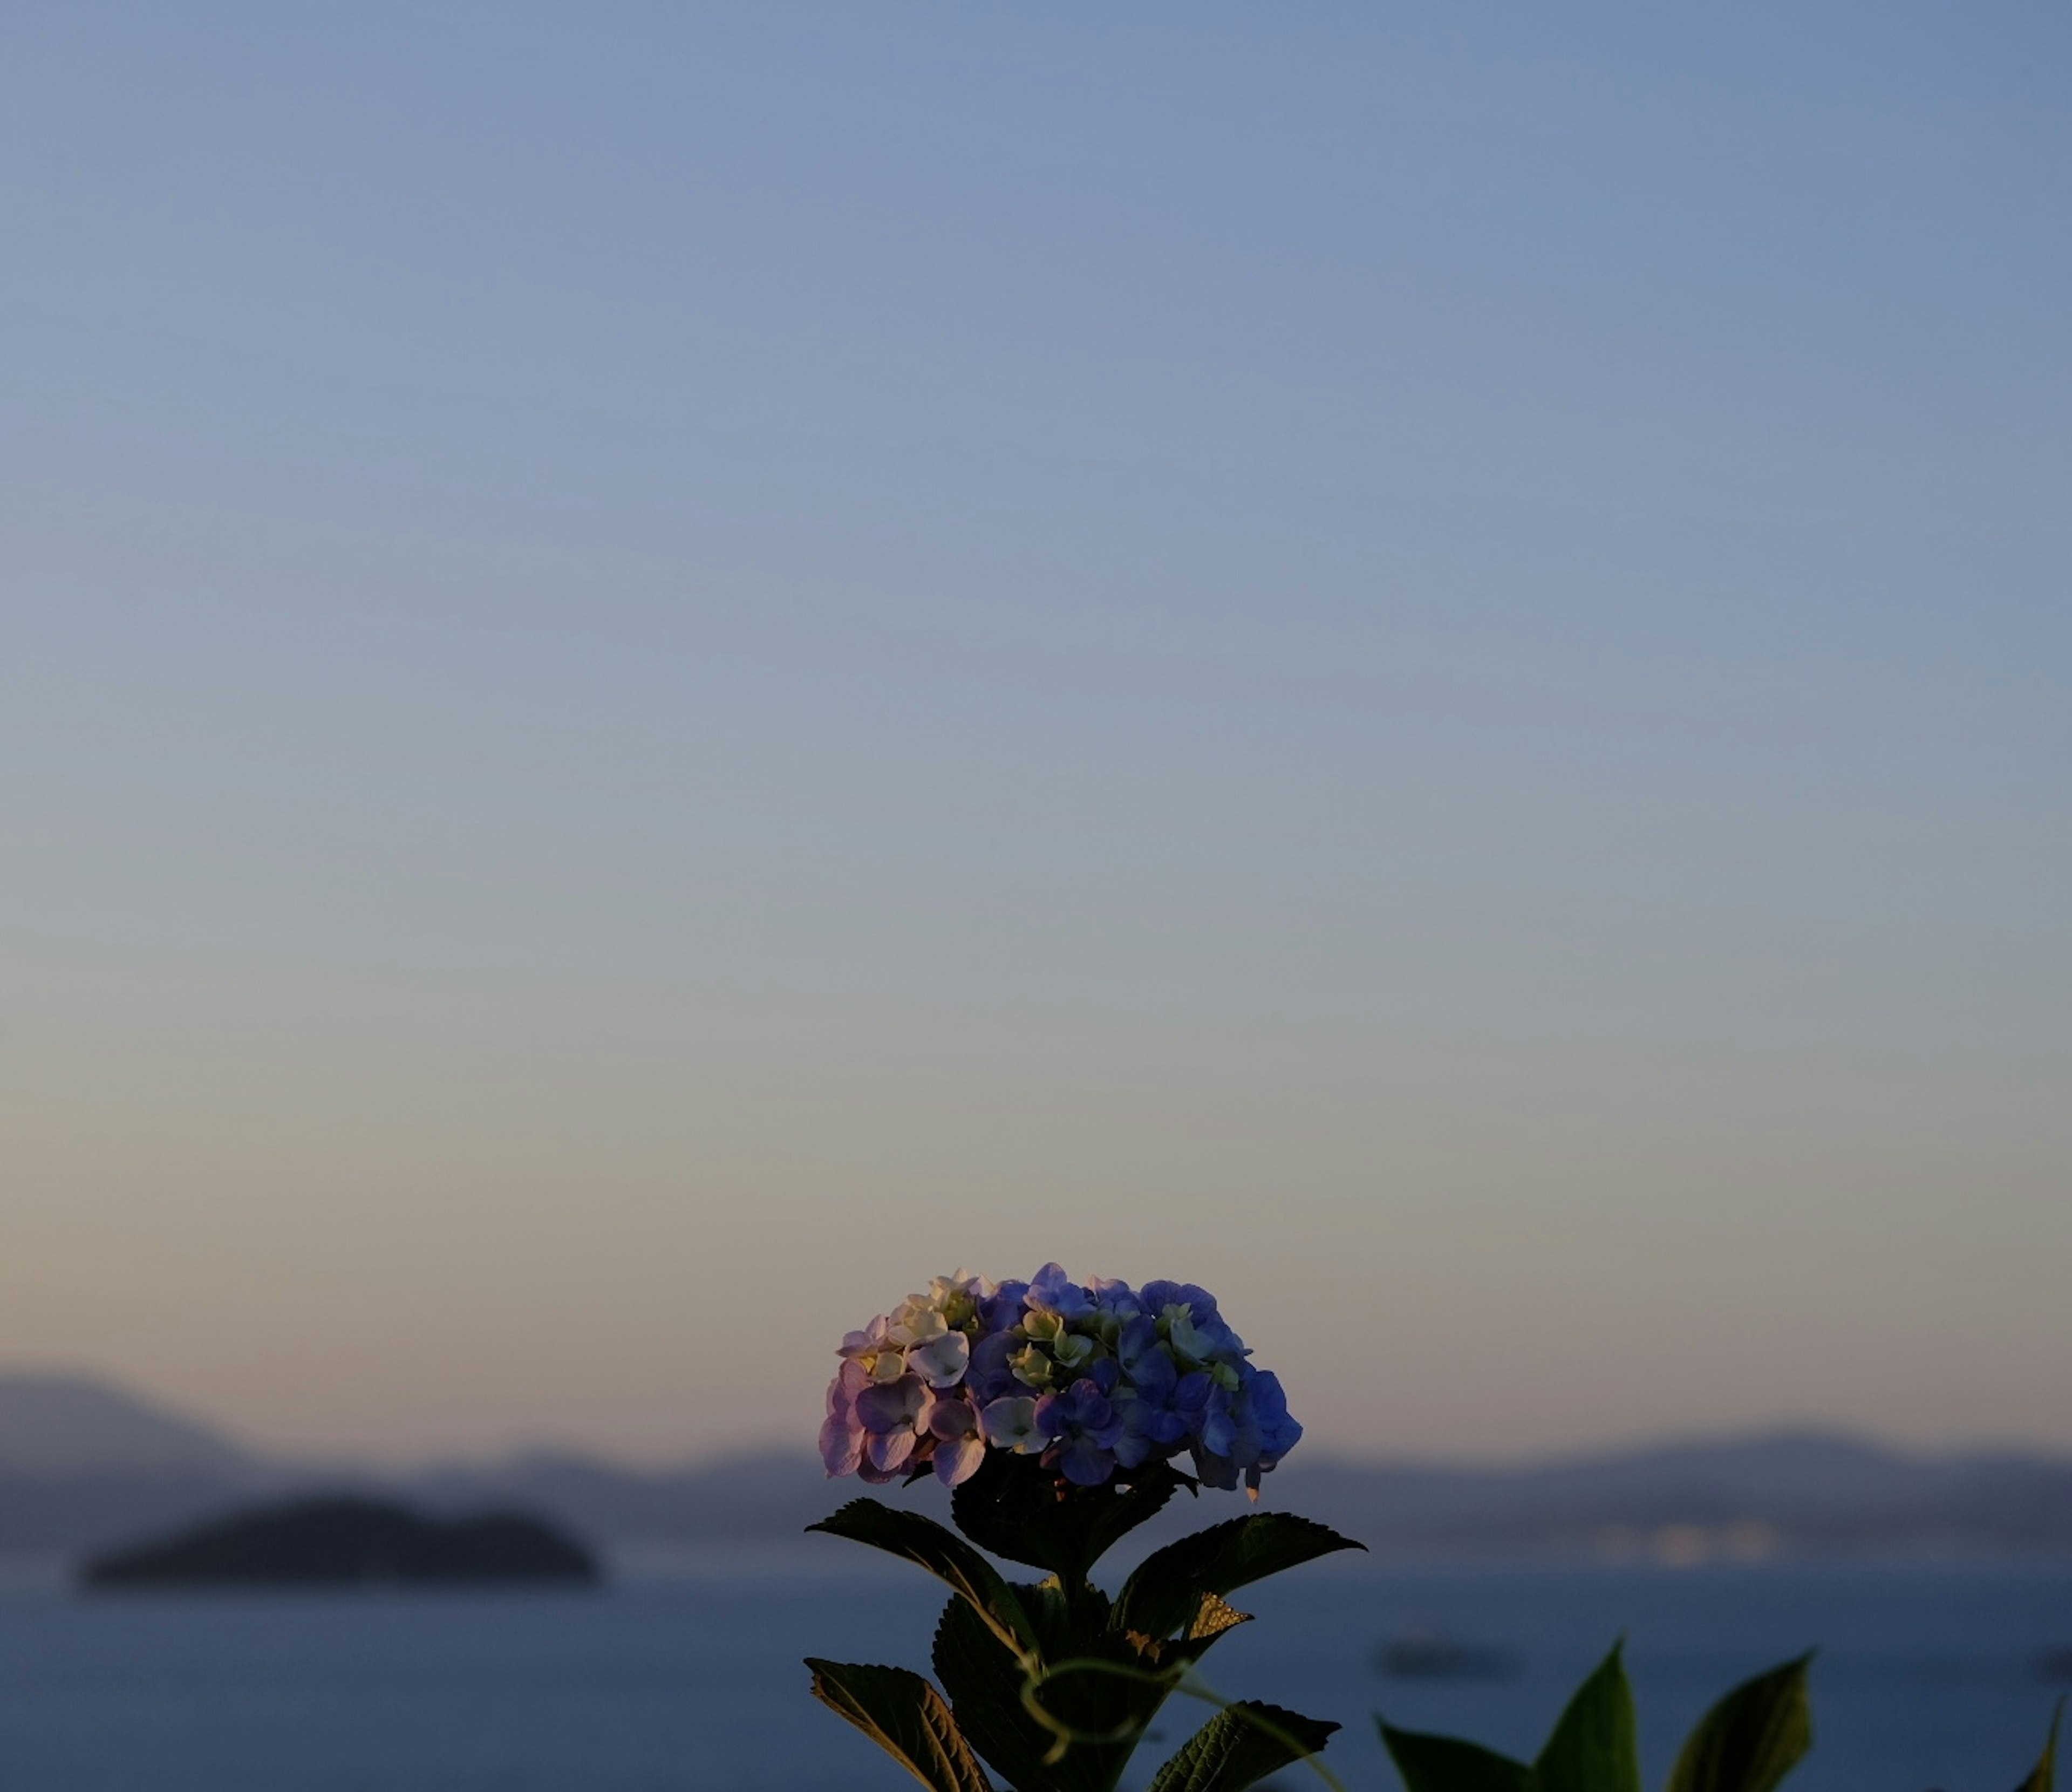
85, 1466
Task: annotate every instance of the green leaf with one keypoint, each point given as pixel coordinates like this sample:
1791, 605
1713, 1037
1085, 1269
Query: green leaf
1441, 1764
1752, 1738
1596, 1745
2045, 1775
1239, 1746
983, 1680
1108, 1710
1012, 1507
943, 1554
906, 1717
1166, 1591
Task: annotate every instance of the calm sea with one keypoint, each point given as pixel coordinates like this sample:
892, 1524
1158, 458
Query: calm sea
1928, 1677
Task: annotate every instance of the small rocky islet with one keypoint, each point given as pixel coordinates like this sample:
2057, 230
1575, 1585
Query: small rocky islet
343, 1541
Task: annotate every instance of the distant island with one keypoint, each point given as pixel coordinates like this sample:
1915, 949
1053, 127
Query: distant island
349, 1541
85, 1466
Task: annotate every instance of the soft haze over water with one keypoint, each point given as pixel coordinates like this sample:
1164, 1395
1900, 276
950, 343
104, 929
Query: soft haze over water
663, 671
1926, 1677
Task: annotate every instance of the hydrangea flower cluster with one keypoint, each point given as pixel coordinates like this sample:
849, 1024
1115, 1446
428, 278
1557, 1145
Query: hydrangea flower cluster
1092, 1377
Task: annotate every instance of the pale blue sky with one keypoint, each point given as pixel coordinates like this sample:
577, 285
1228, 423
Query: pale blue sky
665, 669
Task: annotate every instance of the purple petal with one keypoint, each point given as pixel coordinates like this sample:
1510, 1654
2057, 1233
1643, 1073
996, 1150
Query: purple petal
870, 1339
841, 1445
1132, 1448
1084, 1462
889, 1452
1052, 1289
885, 1407
1002, 1308
953, 1419
958, 1460
1215, 1471
1050, 1417
849, 1381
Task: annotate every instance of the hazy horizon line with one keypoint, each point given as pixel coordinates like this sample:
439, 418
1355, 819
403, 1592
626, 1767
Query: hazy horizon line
364, 1458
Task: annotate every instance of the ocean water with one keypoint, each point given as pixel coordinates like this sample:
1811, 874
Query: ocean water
1928, 1676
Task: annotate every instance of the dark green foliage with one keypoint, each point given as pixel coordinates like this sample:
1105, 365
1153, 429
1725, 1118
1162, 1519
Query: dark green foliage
1013, 1508
984, 1681
943, 1553
1745, 1743
1752, 1738
1239, 1747
1596, 1745
905, 1716
1052, 1684
2045, 1777
1441, 1764
1098, 1686
1164, 1591
989, 1688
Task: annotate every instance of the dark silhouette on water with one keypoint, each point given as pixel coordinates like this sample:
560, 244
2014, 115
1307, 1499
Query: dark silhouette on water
1423, 1652
84, 1467
350, 1542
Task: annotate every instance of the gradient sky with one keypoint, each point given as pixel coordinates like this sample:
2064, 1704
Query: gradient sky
664, 668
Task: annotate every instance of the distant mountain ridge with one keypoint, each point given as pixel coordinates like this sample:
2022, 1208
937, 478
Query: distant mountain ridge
130, 1467
1795, 1493
77, 1424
